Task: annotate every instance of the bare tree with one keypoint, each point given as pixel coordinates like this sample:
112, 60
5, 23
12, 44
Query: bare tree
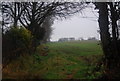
12, 11
47, 24
27, 12
32, 15
39, 11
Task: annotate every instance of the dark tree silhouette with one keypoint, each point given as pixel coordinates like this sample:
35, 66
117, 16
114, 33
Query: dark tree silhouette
108, 17
33, 14
12, 11
47, 24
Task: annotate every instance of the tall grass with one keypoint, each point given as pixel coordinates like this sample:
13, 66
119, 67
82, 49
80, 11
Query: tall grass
64, 60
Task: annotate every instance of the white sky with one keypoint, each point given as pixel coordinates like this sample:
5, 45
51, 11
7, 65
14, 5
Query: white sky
80, 25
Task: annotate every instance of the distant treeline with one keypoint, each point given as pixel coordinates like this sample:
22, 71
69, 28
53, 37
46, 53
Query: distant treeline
73, 39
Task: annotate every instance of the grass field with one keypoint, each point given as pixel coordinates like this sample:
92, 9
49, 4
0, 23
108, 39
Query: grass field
65, 60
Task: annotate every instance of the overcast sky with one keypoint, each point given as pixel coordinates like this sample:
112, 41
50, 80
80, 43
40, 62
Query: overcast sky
80, 25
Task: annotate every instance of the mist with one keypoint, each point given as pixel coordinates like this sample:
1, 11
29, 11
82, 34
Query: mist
80, 25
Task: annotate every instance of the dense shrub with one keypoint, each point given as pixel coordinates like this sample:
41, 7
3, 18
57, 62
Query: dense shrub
16, 41
42, 50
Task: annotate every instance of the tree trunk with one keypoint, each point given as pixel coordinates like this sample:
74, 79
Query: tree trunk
15, 15
104, 29
115, 47
109, 44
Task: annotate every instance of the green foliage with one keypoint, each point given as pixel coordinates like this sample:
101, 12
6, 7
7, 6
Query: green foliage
59, 63
16, 41
42, 50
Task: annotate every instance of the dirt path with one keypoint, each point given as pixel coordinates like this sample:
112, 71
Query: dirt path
70, 76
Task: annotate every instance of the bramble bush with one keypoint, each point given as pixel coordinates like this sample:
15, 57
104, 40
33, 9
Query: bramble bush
16, 41
42, 50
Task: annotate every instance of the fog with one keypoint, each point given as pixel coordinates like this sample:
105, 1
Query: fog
83, 24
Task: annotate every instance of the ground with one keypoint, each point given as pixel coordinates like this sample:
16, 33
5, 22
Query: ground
64, 60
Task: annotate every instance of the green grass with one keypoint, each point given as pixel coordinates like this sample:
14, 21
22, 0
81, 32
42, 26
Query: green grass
65, 60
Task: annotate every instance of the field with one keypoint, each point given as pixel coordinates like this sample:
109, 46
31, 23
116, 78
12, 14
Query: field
64, 60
